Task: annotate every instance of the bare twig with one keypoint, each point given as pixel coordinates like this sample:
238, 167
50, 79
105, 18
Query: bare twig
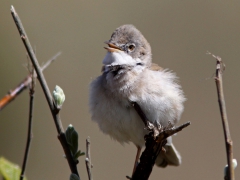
88, 159
155, 141
140, 113
50, 61
13, 93
228, 141
23, 85
43, 83
29, 135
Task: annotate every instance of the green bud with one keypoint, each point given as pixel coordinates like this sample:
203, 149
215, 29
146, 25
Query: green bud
58, 96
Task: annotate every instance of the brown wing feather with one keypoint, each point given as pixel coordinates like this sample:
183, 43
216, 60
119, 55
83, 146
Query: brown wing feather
155, 67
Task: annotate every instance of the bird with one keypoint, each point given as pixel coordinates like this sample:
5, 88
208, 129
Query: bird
128, 75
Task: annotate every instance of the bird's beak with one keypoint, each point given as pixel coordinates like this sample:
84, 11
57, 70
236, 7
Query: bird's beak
112, 48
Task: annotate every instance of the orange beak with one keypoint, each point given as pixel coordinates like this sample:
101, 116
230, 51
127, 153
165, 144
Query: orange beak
113, 48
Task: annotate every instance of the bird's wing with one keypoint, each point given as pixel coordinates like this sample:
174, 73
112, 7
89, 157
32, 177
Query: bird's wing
155, 67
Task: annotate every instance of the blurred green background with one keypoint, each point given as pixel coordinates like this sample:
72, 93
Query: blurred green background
180, 33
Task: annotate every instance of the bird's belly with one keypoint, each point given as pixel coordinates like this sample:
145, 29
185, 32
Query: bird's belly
111, 109
119, 119
121, 122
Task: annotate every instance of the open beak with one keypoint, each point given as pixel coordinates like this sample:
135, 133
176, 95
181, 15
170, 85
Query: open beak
112, 48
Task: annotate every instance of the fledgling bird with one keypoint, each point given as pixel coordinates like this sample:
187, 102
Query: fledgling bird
128, 75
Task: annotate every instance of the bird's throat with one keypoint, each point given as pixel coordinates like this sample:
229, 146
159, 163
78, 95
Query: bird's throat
117, 69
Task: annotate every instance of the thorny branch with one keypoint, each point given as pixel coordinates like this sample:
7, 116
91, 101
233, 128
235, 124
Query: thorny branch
43, 83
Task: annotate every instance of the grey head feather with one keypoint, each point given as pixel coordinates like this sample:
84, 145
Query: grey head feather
127, 35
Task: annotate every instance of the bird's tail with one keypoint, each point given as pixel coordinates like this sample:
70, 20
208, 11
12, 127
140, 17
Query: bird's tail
170, 157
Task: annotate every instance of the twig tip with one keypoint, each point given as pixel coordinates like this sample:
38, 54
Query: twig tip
12, 9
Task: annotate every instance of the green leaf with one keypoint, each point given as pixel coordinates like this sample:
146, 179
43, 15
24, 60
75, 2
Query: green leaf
74, 177
71, 148
8, 170
78, 154
68, 133
72, 139
75, 141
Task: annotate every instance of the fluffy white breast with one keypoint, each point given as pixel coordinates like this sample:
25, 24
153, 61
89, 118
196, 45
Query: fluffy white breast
157, 92
160, 96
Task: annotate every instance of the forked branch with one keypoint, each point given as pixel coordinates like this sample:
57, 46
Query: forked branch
155, 141
43, 83
12, 94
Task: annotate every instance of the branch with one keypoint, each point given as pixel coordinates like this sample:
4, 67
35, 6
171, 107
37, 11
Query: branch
23, 85
29, 135
88, 159
50, 61
220, 67
140, 113
148, 125
43, 83
154, 143
13, 93
153, 147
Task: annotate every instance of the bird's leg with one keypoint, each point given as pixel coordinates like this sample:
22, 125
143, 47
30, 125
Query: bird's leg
136, 160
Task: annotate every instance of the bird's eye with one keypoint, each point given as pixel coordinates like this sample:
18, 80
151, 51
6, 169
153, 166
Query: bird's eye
131, 47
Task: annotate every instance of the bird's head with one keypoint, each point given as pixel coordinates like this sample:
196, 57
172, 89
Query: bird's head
127, 47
